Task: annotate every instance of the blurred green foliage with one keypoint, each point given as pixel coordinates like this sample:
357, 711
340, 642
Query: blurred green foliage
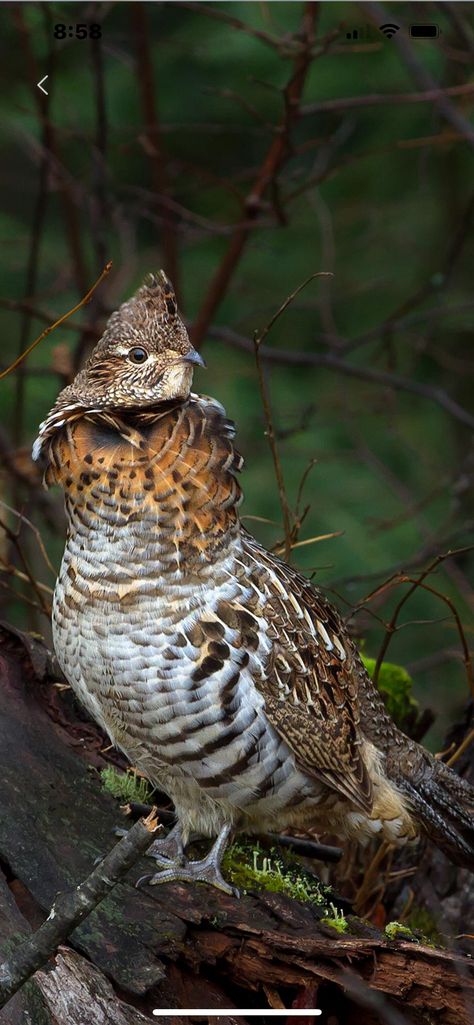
379, 195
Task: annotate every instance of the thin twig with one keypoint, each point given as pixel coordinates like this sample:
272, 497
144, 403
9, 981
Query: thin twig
24, 519
40, 314
386, 99
300, 516
378, 14
329, 361
466, 653
285, 506
310, 541
28, 575
371, 874
444, 267
13, 571
21, 597
72, 908
306, 848
467, 740
47, 331
41, 499
391, 627
259, 337
215, 12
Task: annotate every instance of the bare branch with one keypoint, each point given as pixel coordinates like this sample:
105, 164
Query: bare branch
386, 99
24, 519
400, 578
466, 653
258, 339
40, 314
27, 575
285, 506
377, 13
72, 908
47, 331
261, 335
275, 158
215, 12
332, 362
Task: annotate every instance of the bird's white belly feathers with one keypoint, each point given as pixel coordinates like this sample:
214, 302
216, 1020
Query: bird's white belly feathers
131, 662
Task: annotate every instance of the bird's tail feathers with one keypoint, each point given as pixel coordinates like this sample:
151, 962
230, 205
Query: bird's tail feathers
444, 804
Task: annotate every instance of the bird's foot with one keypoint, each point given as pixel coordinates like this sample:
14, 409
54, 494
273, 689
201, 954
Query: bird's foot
192, 872
169, 850
207, 870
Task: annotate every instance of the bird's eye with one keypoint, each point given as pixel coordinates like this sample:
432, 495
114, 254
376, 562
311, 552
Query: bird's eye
138, 355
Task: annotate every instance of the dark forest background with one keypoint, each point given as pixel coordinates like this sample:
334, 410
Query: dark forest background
244, 147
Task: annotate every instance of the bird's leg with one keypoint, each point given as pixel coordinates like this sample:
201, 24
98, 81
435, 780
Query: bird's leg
208, 870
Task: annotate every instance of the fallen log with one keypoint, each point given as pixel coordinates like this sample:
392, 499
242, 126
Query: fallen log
175, 945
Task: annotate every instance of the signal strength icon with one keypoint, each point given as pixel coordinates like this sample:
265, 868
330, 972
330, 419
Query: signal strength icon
361, 33
389, 30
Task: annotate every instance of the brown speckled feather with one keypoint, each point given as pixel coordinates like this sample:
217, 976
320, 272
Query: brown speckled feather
175, 459
310, 687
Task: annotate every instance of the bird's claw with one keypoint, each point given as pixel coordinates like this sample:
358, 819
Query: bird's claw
205, 871
143, 879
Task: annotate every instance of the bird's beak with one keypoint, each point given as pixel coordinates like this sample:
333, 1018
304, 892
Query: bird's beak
193, 357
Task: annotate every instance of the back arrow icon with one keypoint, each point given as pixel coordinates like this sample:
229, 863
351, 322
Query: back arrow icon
40, 85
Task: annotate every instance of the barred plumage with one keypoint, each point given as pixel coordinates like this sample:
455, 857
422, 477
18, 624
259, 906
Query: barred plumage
223, 674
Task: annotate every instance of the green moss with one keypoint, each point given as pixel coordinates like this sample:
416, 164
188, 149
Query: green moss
421, 921
249, 867
335, 918
126, 785
397, 931
395, 684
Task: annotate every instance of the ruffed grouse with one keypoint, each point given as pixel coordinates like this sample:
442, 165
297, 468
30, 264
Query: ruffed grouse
221, 672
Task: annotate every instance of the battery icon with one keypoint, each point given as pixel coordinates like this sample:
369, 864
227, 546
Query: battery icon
424, 31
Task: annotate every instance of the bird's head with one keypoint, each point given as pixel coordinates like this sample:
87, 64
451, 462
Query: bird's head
144, 356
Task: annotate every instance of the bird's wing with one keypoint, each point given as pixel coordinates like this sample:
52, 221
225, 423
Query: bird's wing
311, 680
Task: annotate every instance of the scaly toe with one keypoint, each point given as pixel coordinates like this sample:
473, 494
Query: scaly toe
161, 859
168, 851
192, 872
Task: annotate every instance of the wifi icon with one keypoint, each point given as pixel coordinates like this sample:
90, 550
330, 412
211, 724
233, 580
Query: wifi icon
389, 30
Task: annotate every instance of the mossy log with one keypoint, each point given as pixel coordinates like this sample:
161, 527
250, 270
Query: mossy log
175, 945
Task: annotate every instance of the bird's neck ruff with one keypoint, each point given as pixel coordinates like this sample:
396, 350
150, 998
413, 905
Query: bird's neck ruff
167, 472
